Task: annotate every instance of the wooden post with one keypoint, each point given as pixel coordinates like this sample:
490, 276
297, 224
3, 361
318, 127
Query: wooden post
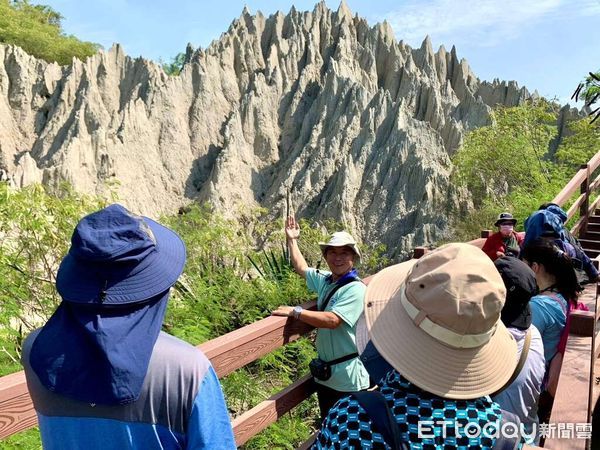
419, 251
583, 209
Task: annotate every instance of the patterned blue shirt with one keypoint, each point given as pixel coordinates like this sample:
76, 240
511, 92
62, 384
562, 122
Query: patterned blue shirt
348, 426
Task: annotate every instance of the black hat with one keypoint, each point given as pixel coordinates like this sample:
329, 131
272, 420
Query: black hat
520, 284
505, 217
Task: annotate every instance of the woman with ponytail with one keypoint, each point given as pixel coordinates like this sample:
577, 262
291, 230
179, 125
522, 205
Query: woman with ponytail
558, 292
557, 282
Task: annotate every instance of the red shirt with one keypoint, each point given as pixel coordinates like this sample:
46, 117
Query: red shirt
495, 243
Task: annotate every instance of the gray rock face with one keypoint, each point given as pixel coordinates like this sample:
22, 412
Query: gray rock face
359, 126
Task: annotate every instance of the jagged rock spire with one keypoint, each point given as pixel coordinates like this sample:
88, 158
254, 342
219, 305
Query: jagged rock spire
362, 126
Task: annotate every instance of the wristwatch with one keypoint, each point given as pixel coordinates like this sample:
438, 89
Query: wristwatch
297, 311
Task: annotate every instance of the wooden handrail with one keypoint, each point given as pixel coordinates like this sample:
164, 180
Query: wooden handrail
269, 411
245, 345
226, 353
575, 182
16, 409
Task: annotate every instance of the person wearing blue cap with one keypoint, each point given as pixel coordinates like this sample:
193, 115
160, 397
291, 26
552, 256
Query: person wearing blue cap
100, 372
584, 267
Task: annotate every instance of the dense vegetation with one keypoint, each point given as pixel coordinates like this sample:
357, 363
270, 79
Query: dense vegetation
37, 29
509, 165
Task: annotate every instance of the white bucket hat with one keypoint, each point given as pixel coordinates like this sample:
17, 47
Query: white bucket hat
341, 239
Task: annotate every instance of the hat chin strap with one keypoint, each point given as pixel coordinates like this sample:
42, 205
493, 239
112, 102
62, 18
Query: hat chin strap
440, 333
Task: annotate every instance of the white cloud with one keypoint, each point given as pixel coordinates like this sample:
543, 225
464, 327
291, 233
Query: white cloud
590, 8
482, 23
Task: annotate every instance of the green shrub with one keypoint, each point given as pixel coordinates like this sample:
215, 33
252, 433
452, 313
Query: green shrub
35, 231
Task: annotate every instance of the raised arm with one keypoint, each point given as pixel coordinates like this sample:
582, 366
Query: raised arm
292, 233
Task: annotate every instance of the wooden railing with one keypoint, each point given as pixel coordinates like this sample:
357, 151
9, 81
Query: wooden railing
581, 180
575, 394
243, 346
226, 353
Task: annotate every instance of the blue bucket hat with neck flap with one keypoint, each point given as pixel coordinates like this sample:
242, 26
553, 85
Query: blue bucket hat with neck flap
114, 283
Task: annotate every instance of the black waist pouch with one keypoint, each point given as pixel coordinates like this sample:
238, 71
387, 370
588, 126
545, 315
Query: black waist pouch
321, 370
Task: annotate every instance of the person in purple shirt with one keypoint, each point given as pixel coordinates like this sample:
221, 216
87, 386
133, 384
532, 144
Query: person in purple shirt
100, 372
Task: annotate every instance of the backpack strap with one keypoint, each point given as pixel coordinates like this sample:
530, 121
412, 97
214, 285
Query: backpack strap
520, 364
335, 289
508, 443
374, 403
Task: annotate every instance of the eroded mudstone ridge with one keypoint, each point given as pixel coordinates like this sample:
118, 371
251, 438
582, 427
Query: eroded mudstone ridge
358, 125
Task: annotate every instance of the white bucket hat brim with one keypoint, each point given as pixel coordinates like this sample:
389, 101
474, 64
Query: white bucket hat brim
341, 239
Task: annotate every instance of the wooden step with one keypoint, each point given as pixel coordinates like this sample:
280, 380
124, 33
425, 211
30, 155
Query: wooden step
593, 227
592, 253
591, 235
590, 244
594, 219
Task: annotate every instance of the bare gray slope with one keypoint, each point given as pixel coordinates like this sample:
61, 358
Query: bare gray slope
359, 126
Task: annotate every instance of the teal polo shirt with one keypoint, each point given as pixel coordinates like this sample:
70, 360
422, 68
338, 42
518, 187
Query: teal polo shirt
347, 304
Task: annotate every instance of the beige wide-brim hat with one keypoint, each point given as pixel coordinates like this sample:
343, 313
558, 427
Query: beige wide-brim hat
341, 239
436, 320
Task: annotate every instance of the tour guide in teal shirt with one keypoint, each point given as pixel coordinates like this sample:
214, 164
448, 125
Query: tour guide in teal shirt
336, 320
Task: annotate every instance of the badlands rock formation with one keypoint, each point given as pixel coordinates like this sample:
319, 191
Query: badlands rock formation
360, 127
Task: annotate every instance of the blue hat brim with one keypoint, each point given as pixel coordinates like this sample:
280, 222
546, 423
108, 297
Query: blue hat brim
78, 282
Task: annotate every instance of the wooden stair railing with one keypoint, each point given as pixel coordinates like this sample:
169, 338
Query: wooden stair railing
575, 395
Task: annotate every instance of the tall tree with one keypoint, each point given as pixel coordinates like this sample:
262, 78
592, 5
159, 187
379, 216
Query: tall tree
589, 91
176, 64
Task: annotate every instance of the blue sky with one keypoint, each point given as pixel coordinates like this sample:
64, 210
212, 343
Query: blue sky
548, 45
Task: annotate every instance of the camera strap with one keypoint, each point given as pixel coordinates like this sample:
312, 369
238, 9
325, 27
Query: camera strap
335, 289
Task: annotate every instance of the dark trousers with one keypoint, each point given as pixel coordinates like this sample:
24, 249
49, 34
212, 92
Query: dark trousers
327, 398
545, 403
